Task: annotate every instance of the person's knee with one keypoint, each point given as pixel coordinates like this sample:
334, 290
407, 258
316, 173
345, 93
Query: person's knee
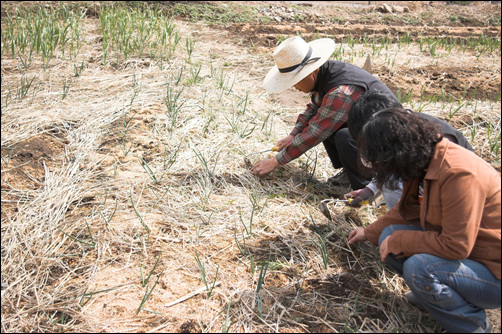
414, 265
424, 282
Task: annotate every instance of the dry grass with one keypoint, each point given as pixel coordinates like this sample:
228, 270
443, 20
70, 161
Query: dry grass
84, 223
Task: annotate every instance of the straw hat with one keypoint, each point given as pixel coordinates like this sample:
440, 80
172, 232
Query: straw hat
294, 60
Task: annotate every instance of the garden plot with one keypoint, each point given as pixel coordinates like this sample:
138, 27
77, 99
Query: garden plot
127, 204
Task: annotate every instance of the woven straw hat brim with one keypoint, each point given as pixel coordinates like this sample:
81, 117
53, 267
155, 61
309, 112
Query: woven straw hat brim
276, 82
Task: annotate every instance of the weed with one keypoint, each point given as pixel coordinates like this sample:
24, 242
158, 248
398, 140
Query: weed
323, 250
195, 74
92, 244
249, 230
255, 199
209, 286
210, 119
107, 220
180, 75
205, 161
132, 32
190, 46
78, 69
24, 87
174, 104
147, 295
261, 280
268, 123
147, 229
243, 249
241, 125
125, 121
406, 98
144, 281
493, 138
452, 113
158, 198
66, 87
148, 170
125, 150
309, 168
206, 186
169, 158
473, 130
89, 295
41, 32
226, 325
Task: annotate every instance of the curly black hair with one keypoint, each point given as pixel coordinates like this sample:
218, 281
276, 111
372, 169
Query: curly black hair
397, 144
367, 105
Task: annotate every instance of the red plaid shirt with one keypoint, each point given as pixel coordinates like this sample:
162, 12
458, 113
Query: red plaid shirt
320, 120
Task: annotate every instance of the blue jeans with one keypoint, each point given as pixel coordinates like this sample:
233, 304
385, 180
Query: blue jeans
455, 292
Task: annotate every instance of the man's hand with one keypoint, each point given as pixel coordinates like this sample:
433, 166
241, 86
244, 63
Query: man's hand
281, 144
265, 166
358, 196
357, 236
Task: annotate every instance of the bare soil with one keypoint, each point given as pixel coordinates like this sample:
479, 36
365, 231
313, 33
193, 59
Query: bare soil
457, 79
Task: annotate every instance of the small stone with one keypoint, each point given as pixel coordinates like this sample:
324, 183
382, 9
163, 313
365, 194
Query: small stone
385, 8
397, 9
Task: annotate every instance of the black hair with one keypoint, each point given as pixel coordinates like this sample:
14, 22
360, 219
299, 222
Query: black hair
367, 105
397, 145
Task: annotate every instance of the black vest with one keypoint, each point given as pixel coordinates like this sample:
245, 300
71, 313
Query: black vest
447, 130
334, 73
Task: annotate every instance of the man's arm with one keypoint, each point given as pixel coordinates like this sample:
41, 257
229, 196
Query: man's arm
303, 119
330, 116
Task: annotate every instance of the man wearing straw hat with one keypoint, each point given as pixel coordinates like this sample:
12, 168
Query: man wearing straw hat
333, 87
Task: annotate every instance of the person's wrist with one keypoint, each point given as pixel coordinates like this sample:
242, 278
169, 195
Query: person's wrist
364, 234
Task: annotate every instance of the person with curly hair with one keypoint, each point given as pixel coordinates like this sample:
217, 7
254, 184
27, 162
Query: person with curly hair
443, 237
361, 111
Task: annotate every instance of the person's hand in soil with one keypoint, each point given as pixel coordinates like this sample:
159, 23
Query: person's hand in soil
265, 167
357, 235
281, 144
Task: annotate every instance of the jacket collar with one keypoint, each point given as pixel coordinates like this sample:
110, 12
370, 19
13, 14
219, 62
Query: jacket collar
437, 160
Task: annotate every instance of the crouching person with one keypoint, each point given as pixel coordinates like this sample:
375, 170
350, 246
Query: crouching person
443, 237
